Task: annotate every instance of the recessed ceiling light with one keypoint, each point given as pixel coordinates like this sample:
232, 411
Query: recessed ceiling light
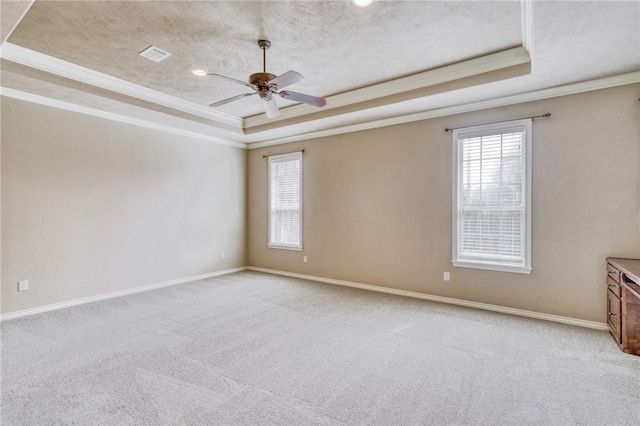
362, 2
199, 72
155, 53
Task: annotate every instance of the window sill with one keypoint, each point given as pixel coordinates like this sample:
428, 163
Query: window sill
498, 267
283, 247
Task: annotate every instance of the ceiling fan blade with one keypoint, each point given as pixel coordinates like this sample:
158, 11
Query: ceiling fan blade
271, 107
234, 98
233, 80
301, 97
287, 79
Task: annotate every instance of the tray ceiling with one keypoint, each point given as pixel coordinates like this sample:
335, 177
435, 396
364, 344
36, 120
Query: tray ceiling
385, 60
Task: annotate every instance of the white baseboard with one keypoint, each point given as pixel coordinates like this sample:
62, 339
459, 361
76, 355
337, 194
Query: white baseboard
75, 302
441, 299
487, 307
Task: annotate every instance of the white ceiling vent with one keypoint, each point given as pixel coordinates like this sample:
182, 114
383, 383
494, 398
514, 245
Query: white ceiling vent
155, 53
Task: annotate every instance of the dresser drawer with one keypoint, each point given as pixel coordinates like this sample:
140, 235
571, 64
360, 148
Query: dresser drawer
613, 287
613, 316
613, 273
623, 303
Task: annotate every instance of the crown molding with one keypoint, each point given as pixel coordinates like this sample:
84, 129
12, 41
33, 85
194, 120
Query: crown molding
41, 61
569, 89
483, 64
496, 61
81, 109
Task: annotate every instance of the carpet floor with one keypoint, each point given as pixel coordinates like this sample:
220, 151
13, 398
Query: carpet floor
253, 348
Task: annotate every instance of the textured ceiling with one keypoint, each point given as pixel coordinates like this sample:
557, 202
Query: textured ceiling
336, 45
11, 13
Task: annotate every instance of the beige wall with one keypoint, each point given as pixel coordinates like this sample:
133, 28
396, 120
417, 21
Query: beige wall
377, 206
91, 206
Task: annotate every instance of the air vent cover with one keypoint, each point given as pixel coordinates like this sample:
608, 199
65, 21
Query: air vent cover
155, 53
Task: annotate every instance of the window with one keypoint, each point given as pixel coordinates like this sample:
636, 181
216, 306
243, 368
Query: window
285, 201
492, 197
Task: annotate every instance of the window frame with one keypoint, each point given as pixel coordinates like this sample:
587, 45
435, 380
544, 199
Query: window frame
270, 243
485, 130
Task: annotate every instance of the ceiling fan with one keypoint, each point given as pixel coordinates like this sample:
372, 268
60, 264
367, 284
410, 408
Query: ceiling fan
266, 85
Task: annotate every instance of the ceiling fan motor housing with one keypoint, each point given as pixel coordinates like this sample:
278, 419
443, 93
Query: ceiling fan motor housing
261, 79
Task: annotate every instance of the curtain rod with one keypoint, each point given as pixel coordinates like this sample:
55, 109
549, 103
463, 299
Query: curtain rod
265, 156
547, 115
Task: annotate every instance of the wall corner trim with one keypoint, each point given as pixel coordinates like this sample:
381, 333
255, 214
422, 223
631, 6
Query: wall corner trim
469, 304
90, 299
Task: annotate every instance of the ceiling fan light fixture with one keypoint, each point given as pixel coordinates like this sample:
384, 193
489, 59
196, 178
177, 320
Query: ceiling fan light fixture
265, 94
362, 3
271, 107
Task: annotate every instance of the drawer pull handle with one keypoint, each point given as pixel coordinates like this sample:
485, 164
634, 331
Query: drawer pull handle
611, 314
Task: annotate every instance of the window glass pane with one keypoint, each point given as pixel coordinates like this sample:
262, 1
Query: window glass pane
491, 235
490, 206
285, 200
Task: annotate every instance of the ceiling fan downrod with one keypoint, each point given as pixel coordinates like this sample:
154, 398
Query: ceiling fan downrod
262, 79
264, 45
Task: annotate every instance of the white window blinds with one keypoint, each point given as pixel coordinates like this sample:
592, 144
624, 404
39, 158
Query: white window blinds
491, 212
285, 201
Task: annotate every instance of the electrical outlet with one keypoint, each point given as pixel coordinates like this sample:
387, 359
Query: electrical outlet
23, 285
221, 255
447, 276
304, 259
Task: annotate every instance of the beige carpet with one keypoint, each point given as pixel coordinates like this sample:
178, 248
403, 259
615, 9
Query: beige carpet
252, 348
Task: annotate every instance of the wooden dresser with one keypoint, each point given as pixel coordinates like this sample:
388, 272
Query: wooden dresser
623, 302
